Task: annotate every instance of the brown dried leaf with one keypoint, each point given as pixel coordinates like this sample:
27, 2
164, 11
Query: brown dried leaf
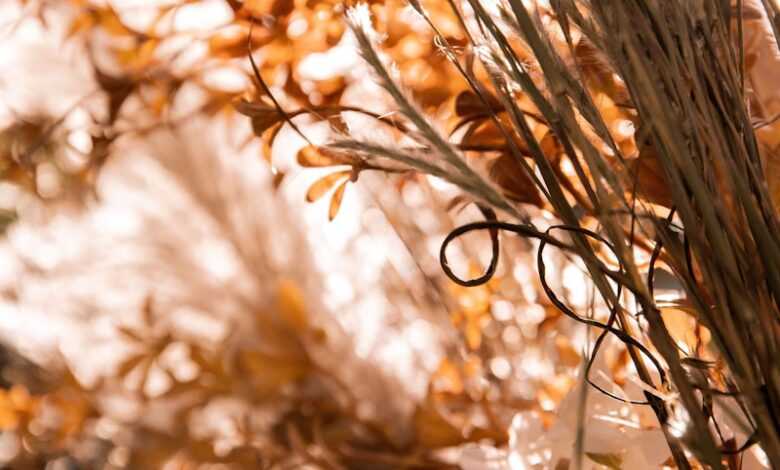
264, 116
458, 203
118, 89
467, 103
278, 179
562, 464
649, 177
507, 173
207, 365
769, 147
432, 430
551, 148
612, 461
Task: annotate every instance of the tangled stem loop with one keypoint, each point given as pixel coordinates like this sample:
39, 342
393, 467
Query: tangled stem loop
545, 238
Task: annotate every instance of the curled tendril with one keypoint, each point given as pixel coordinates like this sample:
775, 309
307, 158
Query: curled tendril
490, 216
545, 238
494, 225
605, 327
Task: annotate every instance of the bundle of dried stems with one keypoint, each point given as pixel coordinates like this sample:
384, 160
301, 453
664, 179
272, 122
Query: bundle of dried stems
693, 191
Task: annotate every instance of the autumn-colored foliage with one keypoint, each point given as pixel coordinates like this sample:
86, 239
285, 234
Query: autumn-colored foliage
523, 234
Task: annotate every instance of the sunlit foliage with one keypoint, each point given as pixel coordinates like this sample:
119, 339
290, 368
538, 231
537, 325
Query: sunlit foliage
248, 231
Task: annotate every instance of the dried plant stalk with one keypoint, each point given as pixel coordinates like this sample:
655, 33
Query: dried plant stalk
680, 65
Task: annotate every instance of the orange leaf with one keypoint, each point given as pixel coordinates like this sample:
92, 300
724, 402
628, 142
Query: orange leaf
268, 137
324, 184
433, 430
80, 23
683, 327
447, 378
312, 156
233, 41
567, 355
111, 22
484, 134
473, 332
335, 200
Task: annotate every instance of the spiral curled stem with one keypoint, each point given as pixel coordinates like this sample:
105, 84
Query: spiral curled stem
493, 225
